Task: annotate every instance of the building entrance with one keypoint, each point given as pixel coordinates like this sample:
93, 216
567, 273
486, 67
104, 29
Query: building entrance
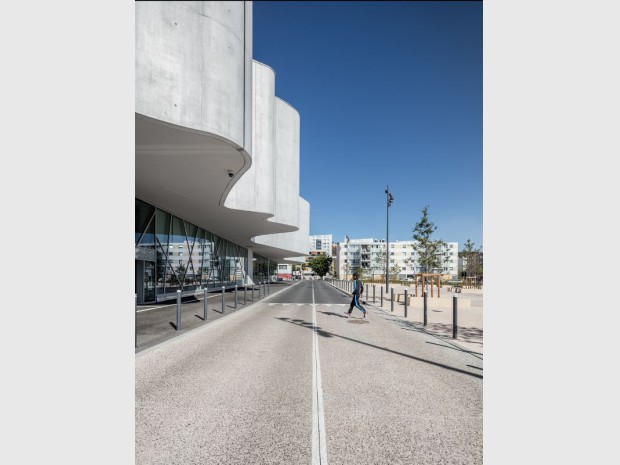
145, 281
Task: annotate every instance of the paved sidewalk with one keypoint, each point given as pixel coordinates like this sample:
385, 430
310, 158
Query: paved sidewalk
439, 313
156, 323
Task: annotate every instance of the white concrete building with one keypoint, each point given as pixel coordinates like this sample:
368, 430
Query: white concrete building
369, 255
217, 153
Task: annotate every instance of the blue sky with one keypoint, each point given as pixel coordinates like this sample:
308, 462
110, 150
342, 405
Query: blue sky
389, 93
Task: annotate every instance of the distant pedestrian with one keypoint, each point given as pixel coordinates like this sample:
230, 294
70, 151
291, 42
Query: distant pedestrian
358, 290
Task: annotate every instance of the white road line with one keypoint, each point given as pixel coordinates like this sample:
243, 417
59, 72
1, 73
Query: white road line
319, 441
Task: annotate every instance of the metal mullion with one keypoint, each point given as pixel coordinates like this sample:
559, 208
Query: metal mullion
191, 250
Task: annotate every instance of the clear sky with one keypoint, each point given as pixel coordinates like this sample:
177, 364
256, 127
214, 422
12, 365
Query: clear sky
389, 93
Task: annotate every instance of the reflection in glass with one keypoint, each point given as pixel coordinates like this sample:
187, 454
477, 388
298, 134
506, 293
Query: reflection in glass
187, 257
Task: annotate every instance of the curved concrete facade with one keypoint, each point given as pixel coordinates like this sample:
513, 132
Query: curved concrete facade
213, 144
194, 66
292, 240
255, 190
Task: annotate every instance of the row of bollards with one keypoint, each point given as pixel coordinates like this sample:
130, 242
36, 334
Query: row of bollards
346, 285
262, 287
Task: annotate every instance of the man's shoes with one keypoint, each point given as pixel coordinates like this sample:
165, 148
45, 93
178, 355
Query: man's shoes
365, 313
347, 314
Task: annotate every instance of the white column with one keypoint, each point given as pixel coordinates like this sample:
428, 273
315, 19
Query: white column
251, 264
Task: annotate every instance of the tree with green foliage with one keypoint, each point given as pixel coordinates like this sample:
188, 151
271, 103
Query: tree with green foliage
379, 263
472, 257
429, 252
321, 264
364, 273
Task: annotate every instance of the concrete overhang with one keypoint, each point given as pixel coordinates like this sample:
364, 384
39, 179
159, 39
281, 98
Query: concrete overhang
186, 172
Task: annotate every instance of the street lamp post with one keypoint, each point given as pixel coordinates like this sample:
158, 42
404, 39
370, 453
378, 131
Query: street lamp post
390, 200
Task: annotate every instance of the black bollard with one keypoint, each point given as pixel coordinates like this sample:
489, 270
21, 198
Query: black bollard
392, 299
223, 291
454, 312
425, 309
245, 291
235, 297
178, 310
405, 303
381, 296
373, 294
205, 306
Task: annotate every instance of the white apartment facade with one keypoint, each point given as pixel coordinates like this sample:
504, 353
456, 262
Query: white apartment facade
369, 255
321, 243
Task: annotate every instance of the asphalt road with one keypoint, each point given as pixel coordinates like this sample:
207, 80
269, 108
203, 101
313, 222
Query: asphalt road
290, 380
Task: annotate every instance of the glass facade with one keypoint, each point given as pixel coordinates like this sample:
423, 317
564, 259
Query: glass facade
261, 269
173, 254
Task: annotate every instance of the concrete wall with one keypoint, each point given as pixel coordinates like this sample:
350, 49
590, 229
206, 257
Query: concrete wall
271, 184
194, 66
255, 190
297, 240
286, 163
194, 70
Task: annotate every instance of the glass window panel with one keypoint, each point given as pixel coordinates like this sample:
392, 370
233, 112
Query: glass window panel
172, 281
178, 241
193, 267
192, 230
160, 270
144, 213
148, 238
162, 224
208, 256
199, 256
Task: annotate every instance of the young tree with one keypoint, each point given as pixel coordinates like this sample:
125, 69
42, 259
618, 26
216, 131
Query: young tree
473, 259
321, 264
378, 263
394, 270
361, 272
429, 251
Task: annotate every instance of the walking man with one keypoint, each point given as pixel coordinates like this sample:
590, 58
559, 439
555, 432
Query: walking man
358, 290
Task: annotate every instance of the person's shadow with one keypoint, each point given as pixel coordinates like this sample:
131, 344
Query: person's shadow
341, 315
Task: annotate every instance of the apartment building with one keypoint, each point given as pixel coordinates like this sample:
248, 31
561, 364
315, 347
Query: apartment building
369, 255
321, 244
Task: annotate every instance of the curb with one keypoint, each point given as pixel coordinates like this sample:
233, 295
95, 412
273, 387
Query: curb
209, 324
415, 325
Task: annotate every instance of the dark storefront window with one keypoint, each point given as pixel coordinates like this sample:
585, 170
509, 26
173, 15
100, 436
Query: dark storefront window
262, 267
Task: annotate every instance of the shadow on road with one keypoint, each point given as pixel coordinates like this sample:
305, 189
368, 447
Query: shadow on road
459, 349
441, 330
340, 315
323, 333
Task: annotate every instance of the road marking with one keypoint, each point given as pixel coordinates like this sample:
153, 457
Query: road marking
319, 442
